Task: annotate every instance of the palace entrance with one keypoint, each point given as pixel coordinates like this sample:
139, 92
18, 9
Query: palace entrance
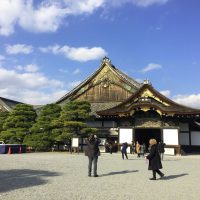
144, 135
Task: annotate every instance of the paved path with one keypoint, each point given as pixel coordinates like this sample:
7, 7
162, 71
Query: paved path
62, 176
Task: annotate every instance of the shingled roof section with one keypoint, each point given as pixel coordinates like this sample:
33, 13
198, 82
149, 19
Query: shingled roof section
132, 103
8, 104
105, 61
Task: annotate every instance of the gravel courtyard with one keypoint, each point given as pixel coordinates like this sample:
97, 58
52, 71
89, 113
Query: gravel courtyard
63, 176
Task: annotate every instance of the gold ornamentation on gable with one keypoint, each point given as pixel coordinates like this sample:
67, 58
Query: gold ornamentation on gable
147, 93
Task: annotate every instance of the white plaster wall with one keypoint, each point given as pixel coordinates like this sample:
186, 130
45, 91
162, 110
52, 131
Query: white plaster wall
125, 135
170, 136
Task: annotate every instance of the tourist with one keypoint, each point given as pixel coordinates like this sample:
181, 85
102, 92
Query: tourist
142, 149
133, 147
124, 150
92, 151
161, 149
154, 159
110, 147
138, 149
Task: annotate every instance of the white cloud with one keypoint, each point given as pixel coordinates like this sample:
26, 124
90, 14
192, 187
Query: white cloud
48, 15
19, 48
28, 68
145, 3
73, 84
166, 93
10, 11
31, 68
81, 54
192, 100
45, 16
33, 88
76, 71
150, 67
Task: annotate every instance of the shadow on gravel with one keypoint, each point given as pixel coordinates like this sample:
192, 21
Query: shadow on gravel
120, 172
171, 160
173, 176
23, 178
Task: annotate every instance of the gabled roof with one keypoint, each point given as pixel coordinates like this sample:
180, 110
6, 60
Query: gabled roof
147, 98
8, 104
105, 63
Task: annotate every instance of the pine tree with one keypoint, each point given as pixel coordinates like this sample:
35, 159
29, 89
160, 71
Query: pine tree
41, 137
18, 123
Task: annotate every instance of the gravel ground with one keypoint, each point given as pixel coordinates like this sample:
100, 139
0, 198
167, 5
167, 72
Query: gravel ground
63, 176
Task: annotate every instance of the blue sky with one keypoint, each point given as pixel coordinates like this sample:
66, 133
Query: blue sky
48, 47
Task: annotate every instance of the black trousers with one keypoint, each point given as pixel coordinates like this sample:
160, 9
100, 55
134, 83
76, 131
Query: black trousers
93, 160
157, 171
124, 153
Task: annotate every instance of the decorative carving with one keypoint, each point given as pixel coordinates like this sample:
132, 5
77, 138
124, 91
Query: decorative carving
147, 123
147, 93
106, 60
170, 123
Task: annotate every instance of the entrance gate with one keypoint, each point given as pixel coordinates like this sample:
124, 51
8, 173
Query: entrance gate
144, 135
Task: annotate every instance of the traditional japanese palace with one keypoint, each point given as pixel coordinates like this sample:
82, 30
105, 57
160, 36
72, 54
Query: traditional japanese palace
126, 111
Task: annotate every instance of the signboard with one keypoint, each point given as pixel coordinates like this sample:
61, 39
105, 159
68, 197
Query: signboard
169, 151
170, 136
125, 135
75, 142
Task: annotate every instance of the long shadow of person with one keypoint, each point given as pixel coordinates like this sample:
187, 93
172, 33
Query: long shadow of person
120, 172
23, 178
173, 176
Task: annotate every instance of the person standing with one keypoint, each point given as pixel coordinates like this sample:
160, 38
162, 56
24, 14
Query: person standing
110, 147
138, 149
142, 149
133, 147
92, 151
154, 159
124, 150
161, 149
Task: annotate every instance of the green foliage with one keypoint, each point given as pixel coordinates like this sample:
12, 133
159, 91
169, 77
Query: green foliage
3, 116
48, 113
85, 132
76, 111
41, 137
18, 123
38, 141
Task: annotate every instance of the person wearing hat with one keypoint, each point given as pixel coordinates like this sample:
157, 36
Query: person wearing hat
92, 151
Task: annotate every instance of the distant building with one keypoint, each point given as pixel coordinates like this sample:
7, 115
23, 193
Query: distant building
126, 111
7, 104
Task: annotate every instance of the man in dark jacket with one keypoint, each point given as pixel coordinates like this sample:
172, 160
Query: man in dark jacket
92, 151
161, 149
154, 159
123, 150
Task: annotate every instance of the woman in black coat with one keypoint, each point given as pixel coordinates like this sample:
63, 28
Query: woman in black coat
154, 159
92, 151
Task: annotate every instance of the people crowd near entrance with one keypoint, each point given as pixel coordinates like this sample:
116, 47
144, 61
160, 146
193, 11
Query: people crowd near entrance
154, 156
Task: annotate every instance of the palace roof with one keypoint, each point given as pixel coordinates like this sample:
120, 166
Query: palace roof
101, 76
7, 104
147, 98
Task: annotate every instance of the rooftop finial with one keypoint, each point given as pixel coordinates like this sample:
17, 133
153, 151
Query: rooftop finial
146, 81
106, 60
